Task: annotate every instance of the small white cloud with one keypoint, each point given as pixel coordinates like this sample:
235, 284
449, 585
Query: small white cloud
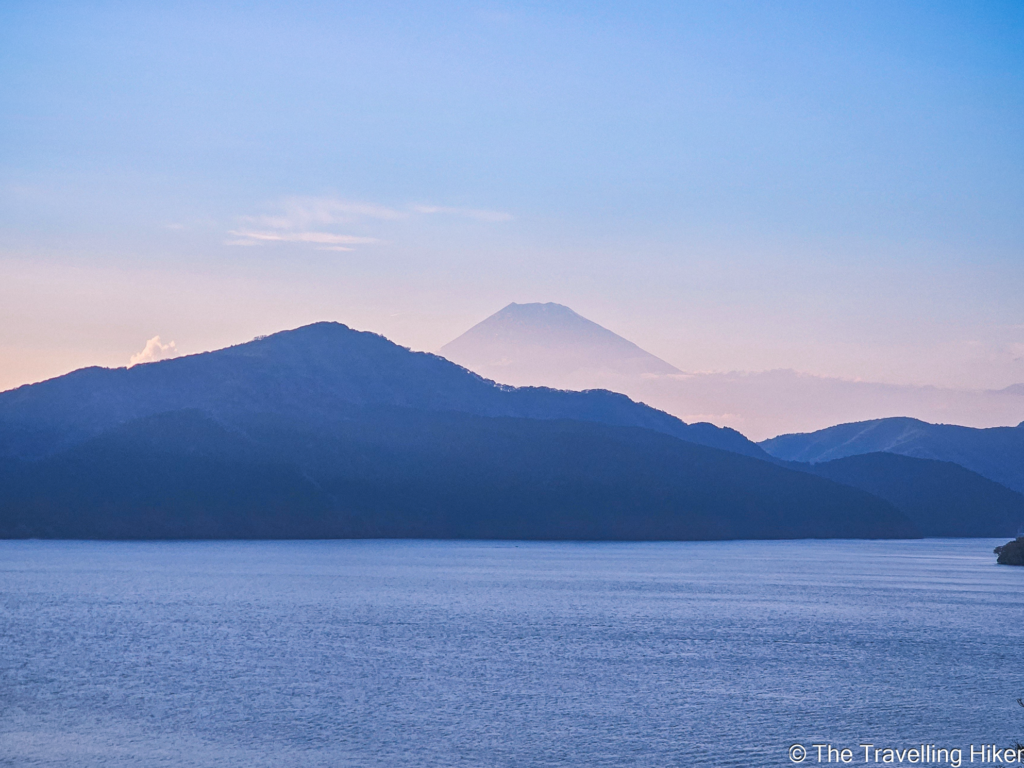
469, 213
153, 351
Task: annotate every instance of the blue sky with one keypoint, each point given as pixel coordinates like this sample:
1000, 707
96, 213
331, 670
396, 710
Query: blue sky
836, 188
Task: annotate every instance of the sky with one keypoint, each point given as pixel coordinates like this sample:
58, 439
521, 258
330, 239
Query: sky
833, 188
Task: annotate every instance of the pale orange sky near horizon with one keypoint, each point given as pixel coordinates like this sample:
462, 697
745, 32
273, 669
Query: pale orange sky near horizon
89, 327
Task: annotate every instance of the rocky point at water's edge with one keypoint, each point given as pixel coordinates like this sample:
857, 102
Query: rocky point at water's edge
1011, 553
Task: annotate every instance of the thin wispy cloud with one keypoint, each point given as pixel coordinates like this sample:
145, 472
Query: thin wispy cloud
309, 220
316, 220
469, 213
305, 212
250, 236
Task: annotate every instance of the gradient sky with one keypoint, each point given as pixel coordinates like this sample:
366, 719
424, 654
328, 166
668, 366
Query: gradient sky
836, 188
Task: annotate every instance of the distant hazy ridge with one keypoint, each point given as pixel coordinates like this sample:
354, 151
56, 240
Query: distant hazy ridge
549, 344
535, 343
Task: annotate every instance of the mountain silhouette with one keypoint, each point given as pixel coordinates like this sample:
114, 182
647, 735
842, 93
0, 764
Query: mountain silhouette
317, 371
548, 343
390, 472
941, 498
328, 432
996, 453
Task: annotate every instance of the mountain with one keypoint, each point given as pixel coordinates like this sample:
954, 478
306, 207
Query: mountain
996, 453
545, 344
329, 432
314, 372
392, 472
941, 498
767, 403
550, 345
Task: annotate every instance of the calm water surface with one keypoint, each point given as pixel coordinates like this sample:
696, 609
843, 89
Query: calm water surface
501, 654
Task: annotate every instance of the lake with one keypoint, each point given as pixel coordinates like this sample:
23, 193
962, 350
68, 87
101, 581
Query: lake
401, 653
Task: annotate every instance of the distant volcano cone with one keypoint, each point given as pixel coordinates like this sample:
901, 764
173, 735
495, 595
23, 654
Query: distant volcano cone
547, 343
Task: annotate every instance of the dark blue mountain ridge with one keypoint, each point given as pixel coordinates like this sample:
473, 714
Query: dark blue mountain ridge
392, 472
996, 453
941, 498
328, 432
311, 373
